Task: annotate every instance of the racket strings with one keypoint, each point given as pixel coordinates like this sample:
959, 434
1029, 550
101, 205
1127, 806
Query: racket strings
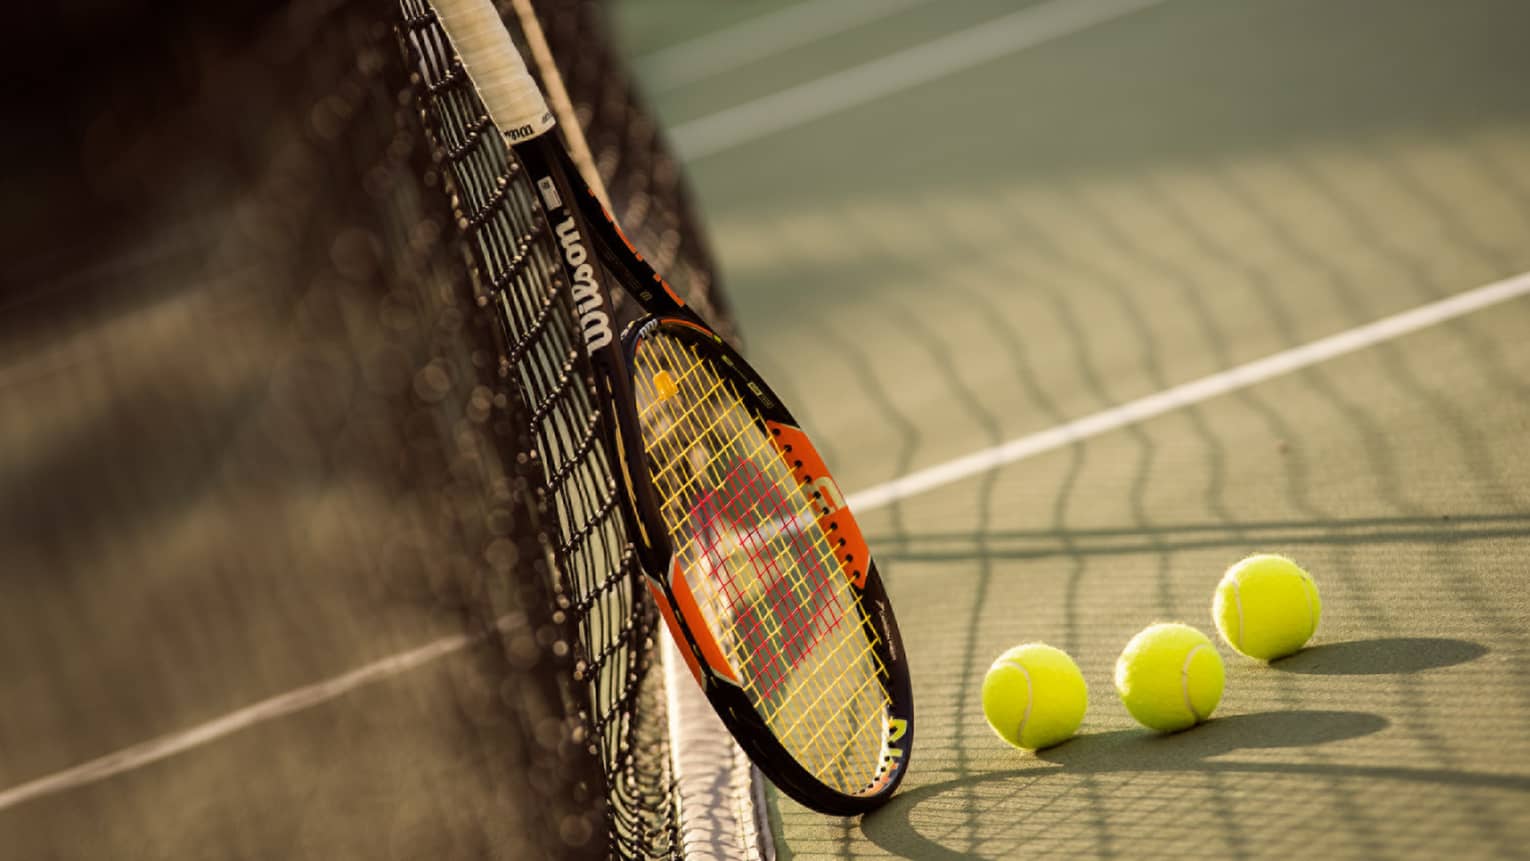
777, 653
793, 603
744, 461
708, 526
763, 570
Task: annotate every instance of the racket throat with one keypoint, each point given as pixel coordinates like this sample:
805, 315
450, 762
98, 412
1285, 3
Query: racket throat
690, 628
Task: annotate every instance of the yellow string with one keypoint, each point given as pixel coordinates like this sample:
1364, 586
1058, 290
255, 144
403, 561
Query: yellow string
828, 710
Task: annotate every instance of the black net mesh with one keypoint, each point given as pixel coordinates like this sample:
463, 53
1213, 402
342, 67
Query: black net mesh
513, 257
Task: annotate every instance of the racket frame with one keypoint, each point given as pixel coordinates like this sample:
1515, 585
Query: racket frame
614, 362
585, 235
873, 612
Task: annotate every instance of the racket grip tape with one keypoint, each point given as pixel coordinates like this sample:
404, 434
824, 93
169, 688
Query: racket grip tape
495, 67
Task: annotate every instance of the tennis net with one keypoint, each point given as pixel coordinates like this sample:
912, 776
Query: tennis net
632, 713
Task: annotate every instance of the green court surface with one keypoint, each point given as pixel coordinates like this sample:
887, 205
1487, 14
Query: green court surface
1083, 220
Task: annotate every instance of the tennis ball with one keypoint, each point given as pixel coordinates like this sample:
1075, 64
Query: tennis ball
1034, 696
1170, 677
1266, 607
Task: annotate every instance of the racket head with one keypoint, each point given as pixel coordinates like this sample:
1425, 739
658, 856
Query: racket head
768, 584
802, 660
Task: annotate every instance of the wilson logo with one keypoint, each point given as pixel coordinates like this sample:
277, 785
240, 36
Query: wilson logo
592, 318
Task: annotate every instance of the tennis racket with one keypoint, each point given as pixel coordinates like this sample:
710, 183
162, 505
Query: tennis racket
757, 566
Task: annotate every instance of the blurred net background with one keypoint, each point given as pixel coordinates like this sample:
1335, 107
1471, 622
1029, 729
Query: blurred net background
266, 421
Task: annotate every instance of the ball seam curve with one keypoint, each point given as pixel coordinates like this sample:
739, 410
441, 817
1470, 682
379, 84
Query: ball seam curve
1184, 683
1030, 699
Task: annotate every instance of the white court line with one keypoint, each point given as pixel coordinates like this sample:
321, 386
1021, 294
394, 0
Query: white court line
757, 38
1027, 28
866, 500
165, 746
1190, 393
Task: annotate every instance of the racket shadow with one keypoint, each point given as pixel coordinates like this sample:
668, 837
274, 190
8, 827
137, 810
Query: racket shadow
1205, 749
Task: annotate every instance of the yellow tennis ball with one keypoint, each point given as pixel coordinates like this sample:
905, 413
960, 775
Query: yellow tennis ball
1034, 696
1266, 607
1170, 677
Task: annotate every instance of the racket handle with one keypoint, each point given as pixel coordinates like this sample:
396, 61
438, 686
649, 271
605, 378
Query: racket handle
495, 67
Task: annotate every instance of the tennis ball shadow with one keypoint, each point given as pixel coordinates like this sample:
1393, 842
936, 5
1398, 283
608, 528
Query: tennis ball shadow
1381, 656
1141, 750
892, 826
1199, 749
